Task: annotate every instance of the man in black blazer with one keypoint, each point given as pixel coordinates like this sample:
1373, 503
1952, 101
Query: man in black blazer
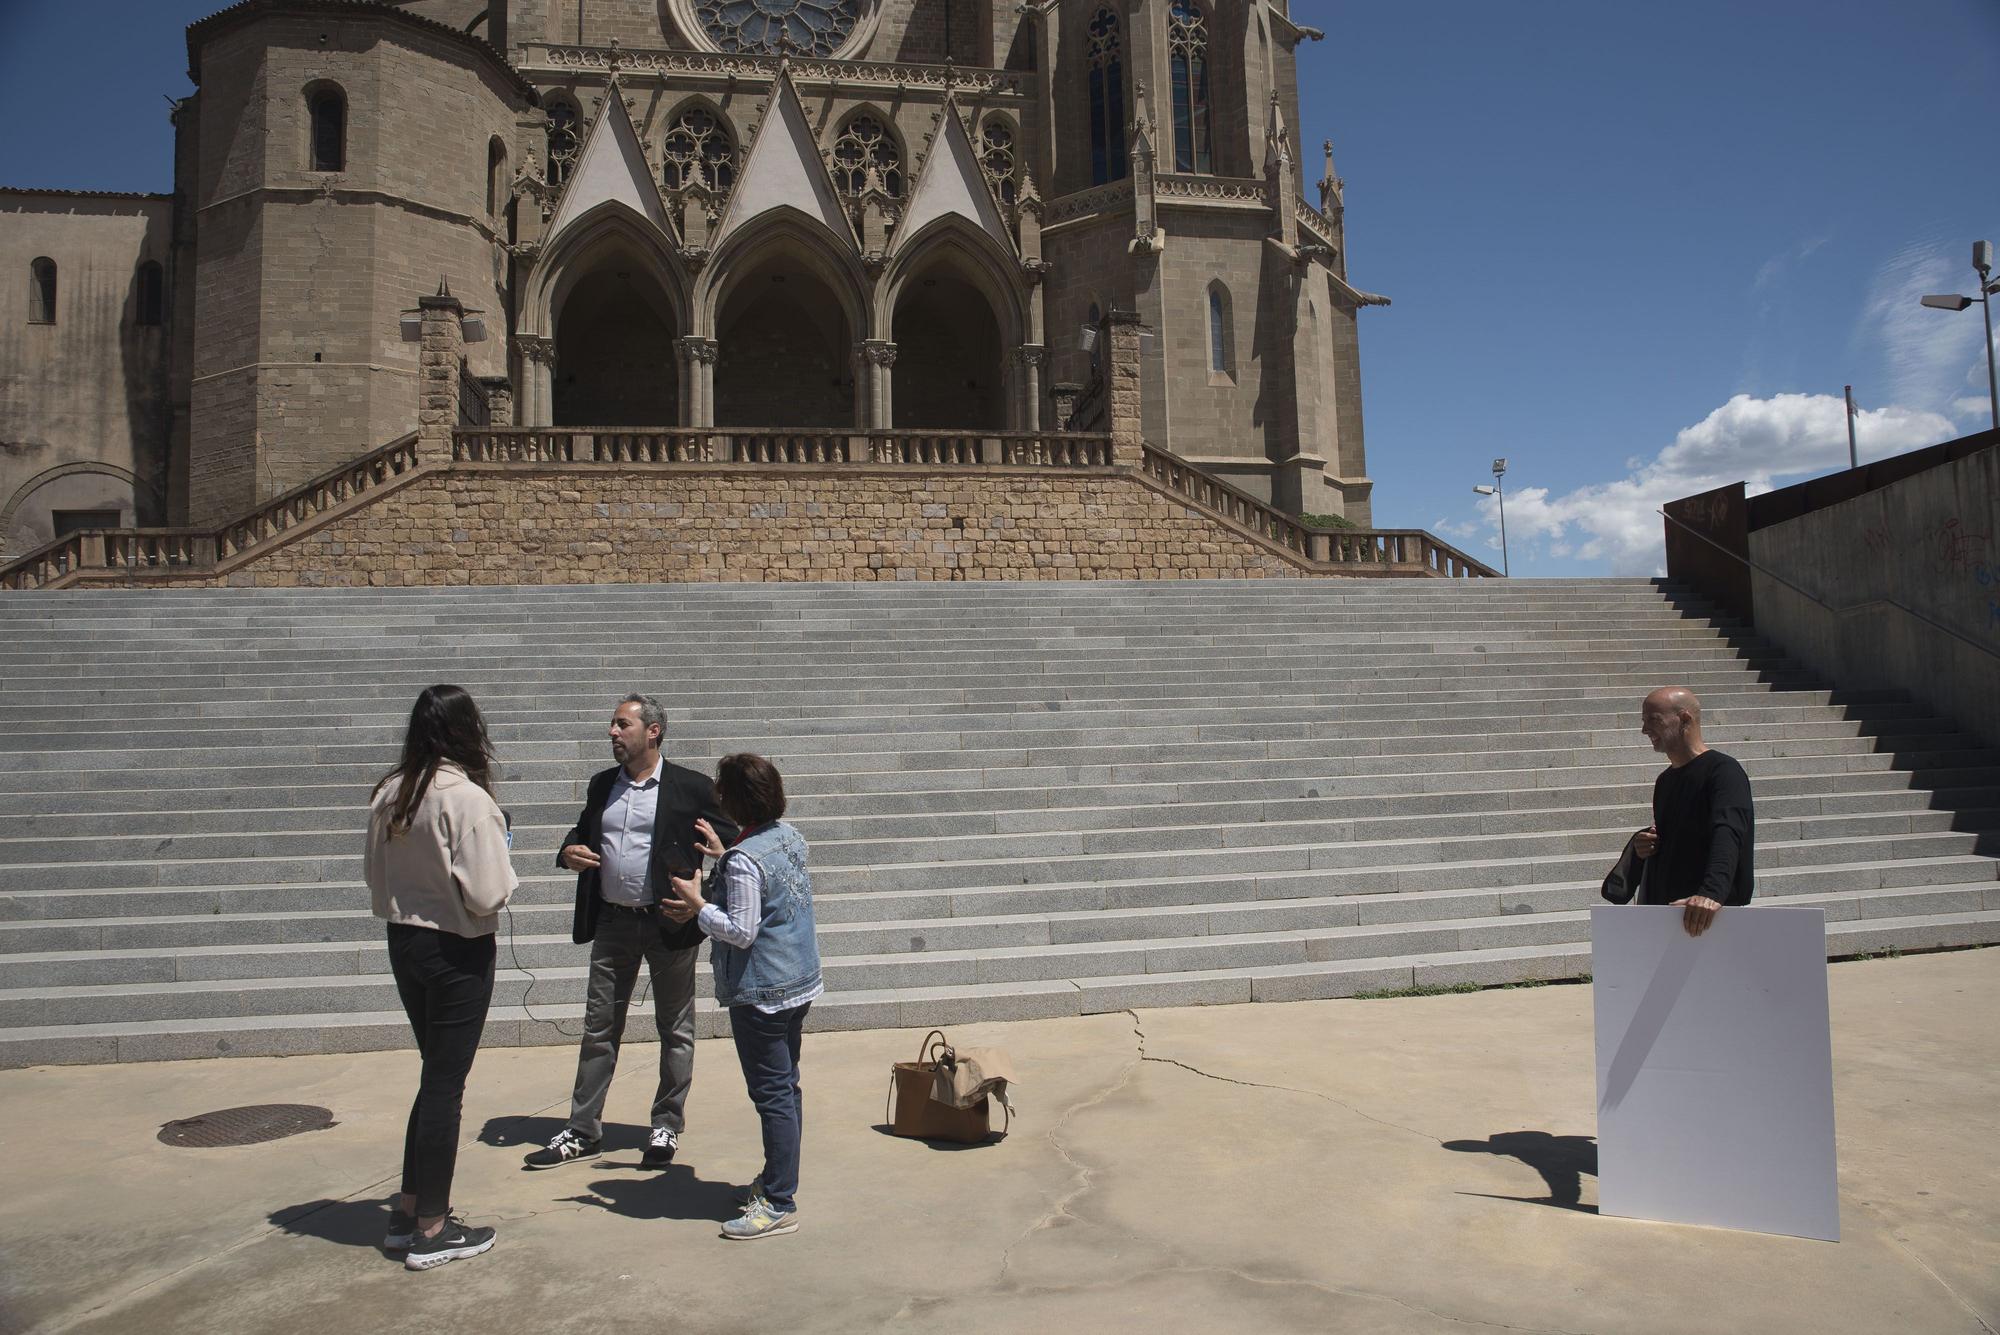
637, 828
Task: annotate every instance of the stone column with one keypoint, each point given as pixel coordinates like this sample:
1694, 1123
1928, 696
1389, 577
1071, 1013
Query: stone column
538, 379
440, 362
881, 355
1030, 357
700, 392
499, 400
1124, 398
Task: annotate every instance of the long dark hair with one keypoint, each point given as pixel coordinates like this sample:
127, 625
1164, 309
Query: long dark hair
444, 725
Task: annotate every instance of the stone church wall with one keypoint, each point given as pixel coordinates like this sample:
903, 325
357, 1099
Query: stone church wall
299, 360
471, 525
83, 398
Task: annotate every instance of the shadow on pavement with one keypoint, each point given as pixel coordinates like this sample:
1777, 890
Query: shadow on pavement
531, 1133
671, 1193
992, 1138
348, 1223
1561, 1160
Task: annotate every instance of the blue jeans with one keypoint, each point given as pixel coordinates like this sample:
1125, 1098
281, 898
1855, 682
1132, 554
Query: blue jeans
768, 1047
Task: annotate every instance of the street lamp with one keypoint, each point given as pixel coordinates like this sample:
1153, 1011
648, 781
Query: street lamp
1982, 261
1499, 490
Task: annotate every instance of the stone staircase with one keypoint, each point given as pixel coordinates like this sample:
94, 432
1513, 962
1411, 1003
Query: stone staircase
1022, 800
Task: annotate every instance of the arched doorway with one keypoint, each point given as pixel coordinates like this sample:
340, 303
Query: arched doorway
616, 363
950, 371
785, 347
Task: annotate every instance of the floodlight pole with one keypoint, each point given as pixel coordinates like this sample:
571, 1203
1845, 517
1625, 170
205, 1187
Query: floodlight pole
1853, 458
1982, 263
1499, 492
1986, 309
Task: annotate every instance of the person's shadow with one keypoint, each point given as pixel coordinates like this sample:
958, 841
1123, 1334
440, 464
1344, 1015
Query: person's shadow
1561, 1160
670, 1193
531, 1133
347, 1223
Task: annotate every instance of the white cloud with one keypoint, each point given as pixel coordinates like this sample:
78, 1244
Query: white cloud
1925, 351
1761, 442
1971, 407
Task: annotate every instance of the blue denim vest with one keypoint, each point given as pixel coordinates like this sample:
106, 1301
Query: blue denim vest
782, 964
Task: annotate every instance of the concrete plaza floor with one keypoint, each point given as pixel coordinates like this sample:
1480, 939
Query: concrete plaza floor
1374, 1166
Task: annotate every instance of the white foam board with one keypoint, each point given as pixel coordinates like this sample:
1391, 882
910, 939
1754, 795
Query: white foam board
1715, 1069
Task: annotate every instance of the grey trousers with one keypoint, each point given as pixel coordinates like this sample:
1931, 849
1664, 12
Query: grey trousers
623, 939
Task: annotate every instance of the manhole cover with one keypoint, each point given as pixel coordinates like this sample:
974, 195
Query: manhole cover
246, 1126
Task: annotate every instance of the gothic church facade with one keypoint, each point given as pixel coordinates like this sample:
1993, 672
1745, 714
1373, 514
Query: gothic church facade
813, 214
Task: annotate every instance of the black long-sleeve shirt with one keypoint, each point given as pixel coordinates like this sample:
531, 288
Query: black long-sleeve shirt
1708, 833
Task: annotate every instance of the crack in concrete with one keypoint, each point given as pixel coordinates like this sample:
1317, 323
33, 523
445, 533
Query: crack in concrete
1902, 1244
1084, 1174
1086, 1177
1288, 1089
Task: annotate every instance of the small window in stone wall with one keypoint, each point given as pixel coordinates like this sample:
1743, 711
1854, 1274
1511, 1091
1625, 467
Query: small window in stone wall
327, 108
698, 148
41, 290
66, 522
866, 155
1107, 99
496, 177
996, 157
1218, 329
151, 298
563, 140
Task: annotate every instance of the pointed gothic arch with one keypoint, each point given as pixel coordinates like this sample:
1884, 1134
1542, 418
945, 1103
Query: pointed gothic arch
785, 303
610, 239
956, 310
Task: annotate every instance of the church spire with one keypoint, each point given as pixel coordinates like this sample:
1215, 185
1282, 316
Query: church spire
1331, 187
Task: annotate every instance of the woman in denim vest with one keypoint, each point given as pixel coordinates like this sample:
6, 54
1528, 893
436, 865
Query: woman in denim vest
766, 962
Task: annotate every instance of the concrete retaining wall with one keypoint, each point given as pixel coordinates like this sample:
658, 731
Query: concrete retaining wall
1931, 543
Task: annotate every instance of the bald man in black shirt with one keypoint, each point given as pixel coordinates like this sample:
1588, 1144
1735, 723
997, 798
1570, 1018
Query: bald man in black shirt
1700, 850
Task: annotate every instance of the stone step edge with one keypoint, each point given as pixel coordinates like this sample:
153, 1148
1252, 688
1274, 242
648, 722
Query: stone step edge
1990, 815
913, 1008
355, 890
556, 874
544, 972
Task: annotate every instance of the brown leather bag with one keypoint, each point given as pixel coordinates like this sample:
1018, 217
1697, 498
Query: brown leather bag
914, 1110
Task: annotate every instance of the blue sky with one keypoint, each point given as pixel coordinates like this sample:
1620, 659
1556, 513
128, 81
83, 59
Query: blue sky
1637, 250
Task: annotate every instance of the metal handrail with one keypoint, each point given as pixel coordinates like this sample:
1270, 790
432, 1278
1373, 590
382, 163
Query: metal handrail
1810, 596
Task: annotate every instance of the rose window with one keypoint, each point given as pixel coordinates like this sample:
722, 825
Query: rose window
779, 27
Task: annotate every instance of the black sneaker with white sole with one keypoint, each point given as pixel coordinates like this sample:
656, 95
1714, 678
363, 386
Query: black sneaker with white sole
567, 1147
456, 1239
660, 1148
402, 1231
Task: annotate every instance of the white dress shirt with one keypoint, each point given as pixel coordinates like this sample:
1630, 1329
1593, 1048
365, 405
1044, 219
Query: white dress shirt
625, 839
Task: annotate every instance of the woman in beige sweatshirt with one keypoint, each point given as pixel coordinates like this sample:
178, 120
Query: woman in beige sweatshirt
438, 870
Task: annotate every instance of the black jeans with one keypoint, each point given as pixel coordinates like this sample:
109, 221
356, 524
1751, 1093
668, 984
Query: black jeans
768, 1048
446, 983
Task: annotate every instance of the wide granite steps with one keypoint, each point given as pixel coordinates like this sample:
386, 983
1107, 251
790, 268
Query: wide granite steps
542, 1023
1020, 799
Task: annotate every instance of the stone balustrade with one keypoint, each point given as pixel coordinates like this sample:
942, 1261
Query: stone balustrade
733, 457
541, 446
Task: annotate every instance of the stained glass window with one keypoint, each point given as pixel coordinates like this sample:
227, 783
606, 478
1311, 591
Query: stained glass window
774, 27
1107, 99
699, 147
1187, 42
564, 143
996, 157
865, 147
